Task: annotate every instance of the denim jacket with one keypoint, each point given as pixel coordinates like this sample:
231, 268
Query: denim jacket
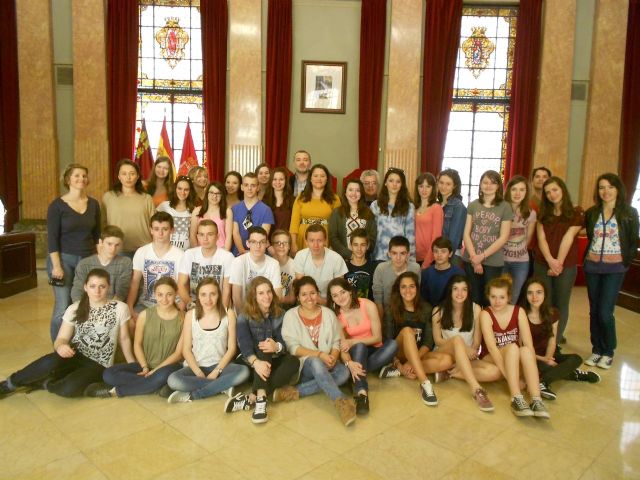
455, 217
250, 333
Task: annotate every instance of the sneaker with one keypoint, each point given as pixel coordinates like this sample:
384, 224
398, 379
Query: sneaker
229, 392
260, 412
165, 391
98, 390
546, 392
482, 400
428, 395
236, 403
605, 362
593, 360
389, 371
520, 408
346, 410
362, 404
585, 376
441, 376
286, 394
5, 389
179, 397
539, 410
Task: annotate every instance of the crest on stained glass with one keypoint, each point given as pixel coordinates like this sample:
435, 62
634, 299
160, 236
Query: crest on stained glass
172, 39
477, 50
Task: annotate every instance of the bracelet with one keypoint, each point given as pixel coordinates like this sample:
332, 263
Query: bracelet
146, 366
347, 363
254, 361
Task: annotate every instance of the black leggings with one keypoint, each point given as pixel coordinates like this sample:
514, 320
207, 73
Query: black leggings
283, 368
566, 365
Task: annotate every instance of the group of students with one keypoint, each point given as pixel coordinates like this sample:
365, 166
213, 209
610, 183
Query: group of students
301, 294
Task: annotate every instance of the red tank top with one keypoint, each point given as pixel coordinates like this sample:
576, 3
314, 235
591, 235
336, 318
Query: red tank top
511, 333
363, 329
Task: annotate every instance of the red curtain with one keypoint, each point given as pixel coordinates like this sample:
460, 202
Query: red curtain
122, 71
441, 39
630, 131
373, 23
279, 52
9, 113
214, 19
524, 89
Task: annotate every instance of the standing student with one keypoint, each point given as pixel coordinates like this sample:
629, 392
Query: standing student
179, 206
302, 164
434, 280
85, 345
129, 207
556, 255
523, 226
73, 230
160, 183
313, 206
455, 213
281, 244
361, 269
208, 348
394, 213
214, 208
263, 172
429, 217
539, 175
486, 231
200, 179
233, 188
250, 212
371, 181
612, 230
156, 346
352, 214
507, 343
279, 199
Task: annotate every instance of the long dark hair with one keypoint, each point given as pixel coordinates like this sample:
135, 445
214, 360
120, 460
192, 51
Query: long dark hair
223, 200
525, 208
397, 304
190, 201
457, 183
269, 197
546, 311
117, 185
621, 208
327, 194
343, 283
152, 183
301, 282
82, 312
403, 200
251, 308
567, 212
446, 307
233, 173
495, 178
219, 307
363, 209
431, 180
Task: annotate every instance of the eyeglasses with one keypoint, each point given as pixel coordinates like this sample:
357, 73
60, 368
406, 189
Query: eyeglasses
281, 244
258, 242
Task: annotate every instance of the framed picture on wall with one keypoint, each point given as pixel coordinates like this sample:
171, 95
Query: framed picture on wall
324, 87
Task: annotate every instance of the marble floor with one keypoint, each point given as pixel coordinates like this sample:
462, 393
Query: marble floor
594, 432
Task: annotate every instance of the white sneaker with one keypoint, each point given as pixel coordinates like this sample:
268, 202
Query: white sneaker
605, 362
179, 397
593, 360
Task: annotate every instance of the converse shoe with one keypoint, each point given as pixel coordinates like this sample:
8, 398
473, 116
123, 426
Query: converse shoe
482, 400
585, 376
389, 371
428, 395
239, 402
6, 389
286, 394
165, 391
362, 404
229, 392
346, 410
546, 392
520, 408
593, 360
605, 362
539, 410
260, 412
99, 390
179, 397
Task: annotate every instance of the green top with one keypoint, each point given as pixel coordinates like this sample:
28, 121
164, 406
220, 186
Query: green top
160, 337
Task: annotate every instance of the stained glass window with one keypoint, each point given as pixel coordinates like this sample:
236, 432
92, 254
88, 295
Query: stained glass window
477, 136
170, 73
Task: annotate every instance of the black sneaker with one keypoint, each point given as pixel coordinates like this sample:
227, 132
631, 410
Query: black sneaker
5, 389
538, 409
98, 390
520, 408
362, 404
260, 412
546, 392
428, 395
165, 391
236, 403
389, 371
585, 376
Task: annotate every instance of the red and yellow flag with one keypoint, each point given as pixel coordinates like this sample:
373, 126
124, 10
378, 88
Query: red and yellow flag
189, 157
144, 157
164, 146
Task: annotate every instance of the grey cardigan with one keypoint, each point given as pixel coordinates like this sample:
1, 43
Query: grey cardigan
338, 233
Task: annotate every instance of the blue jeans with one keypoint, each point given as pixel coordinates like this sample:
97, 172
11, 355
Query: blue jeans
185, 380
519, 272
603, 289
559, 291
315, 377
62, 295
127, 381
371, 358
478, 282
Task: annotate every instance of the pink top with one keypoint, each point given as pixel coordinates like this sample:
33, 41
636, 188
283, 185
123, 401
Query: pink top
428, 228
363, 329
220, 223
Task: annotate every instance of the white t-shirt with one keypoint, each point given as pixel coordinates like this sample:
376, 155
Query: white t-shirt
243, 270
97, 337
181, 222
332, 267
197, 266
153, 267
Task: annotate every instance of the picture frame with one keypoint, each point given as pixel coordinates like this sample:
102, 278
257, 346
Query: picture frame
324, 87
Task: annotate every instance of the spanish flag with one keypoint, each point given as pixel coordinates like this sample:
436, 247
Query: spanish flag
189, 157
144, 157
164, 146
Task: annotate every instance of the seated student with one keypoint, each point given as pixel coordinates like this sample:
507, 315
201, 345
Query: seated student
361, 269
312, 333
318, 261
208, 347
362, 347
281, 245
507, 343
152, 261
156, 346
117, 266
252, 264
207, 260
250, 212
434, 279
387, 272
456, 333
263, 348
85, 345
552, 364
